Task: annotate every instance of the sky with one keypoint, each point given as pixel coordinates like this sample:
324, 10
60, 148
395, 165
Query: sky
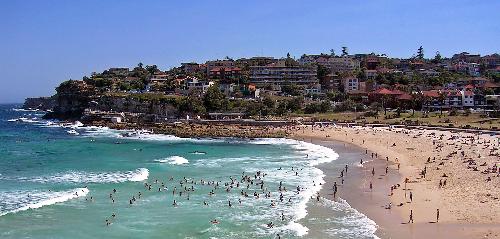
43, 43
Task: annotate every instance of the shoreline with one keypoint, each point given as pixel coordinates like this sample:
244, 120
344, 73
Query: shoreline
370, 202
391, 223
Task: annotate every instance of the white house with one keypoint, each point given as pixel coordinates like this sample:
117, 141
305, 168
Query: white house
467, 98
350, 84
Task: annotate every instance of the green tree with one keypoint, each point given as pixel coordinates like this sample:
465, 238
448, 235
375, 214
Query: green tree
437, 58
289, 61
442, 98
420, 53
312, 108
292, 90
295, 104
332, 52
152, 69
325, 106
282, 107
268, 102
345, 51
214, 99
191, 104
322, 72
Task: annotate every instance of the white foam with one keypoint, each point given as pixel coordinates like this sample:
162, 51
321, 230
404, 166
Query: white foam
24, 120
355, 224
174, 160
93, 131
198, 153
73, 132
27, 110
38, 199
310, 180
319, 154
138, 175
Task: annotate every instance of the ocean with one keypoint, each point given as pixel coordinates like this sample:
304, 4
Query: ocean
74, 181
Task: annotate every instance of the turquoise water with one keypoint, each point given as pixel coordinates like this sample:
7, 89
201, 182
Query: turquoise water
57, 181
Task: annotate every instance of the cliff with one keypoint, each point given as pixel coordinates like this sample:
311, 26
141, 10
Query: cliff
161, 106
71, 99
40, 103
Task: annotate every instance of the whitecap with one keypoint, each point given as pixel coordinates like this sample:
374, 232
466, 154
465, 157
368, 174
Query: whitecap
22, 200
174, 160
24, 120
138, 175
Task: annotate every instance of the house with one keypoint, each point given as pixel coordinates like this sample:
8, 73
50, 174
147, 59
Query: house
335, 64
491, 61
370, 74
195, 84
331, 82
227, 89
350, 84
116, 119
255, 61
218, 64
313, 89
192, 67
344, 64
495, 70
224, 73
453, 99
467, 98
466, 57
371, 61
121, 71
281, 74
429, 73
473, 69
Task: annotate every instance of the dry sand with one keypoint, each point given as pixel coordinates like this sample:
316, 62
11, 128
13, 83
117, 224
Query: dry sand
469, 202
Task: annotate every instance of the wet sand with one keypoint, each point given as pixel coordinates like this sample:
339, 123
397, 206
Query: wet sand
356, 191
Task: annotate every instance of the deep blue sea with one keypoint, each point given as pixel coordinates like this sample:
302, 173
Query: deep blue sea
73, 181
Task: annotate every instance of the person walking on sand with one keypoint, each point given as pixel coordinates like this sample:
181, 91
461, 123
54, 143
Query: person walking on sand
373, 171
437, 215
371, 186
411, 197
411, 217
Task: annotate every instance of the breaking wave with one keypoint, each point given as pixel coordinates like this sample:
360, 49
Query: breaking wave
12, 202
138, 175
174, 160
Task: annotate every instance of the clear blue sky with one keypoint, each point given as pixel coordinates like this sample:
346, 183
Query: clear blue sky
43, 43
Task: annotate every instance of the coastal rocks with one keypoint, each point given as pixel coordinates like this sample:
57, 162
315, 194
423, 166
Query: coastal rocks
72, 98
193, 130
40, 103
130, 104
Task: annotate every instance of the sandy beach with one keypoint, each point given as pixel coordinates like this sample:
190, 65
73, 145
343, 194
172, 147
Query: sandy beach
461, 179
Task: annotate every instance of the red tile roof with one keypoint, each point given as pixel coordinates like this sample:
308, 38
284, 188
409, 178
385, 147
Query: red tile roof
431, 93
490, 85
404, 96
384, 91
226, 69
468, 93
